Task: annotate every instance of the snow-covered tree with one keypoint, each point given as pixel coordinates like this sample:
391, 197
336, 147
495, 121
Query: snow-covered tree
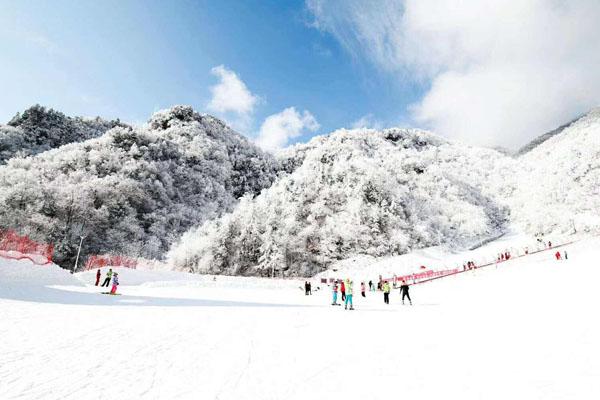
354, 192
133, 190
38, 129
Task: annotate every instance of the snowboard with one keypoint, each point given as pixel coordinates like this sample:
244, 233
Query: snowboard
111, 294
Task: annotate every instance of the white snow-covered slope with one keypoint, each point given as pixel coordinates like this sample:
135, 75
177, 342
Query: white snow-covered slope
559, 181
524, 330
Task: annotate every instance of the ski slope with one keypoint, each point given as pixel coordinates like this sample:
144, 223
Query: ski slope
527, 329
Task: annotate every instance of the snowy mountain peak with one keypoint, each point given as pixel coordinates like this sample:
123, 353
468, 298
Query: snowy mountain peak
39, 129
587, 118
353, 192
174, 116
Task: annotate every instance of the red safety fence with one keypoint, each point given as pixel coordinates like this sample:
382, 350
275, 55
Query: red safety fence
19, 247
109, 260
430, 275
512, 257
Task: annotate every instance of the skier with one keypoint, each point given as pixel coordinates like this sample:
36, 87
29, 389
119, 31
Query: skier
362, 289
108, 276
335, 290
549, 243
343, 291
98, 274
557, 255
310, 288
566, 256
115, 284
306, 288
371, 287
386, 292
404, 291
349, 293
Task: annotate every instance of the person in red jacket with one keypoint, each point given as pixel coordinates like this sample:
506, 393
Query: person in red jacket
98, 274
557, 255
343, 290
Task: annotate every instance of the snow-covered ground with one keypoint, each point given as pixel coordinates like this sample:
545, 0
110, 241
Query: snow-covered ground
526, 329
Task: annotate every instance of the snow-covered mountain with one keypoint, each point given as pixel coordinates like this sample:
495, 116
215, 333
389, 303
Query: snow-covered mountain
132, 190
38, 129
136, 190
559, 180
356, 192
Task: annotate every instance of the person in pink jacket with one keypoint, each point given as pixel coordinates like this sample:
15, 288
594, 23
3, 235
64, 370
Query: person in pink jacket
115, 283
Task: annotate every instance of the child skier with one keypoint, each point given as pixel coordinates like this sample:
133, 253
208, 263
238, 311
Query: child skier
115, 284
108, 276
349, 293
363, 289
335, 290
98, 274
386, 292
404, 291
343, 290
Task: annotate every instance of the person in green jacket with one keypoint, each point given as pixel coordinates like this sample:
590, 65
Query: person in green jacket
386, 292
349, 293
108, 276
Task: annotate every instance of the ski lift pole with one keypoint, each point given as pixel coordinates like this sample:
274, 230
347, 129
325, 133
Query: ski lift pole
77, 258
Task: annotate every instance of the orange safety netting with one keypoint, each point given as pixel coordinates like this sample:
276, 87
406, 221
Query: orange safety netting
18, 247
109, 260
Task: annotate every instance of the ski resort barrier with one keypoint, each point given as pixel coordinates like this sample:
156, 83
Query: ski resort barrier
19, 247
109, 260
498, 262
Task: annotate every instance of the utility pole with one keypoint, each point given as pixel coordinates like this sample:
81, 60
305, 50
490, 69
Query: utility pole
77, 258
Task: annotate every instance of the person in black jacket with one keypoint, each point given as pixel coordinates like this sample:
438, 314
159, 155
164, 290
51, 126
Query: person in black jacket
404, 292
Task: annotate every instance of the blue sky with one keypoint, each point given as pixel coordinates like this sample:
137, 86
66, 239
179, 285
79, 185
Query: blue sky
480, 71
127, 59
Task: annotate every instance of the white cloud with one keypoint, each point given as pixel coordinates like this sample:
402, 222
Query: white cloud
498, 72
231, 97
278, 129
366, 121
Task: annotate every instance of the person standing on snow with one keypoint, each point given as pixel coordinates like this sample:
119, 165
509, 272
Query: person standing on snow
343, 291
557, 255
108, 276
566, 256
115, 284
404, 291
371, 287
363, 289
335, 290
98, 274
349, 293
386, 292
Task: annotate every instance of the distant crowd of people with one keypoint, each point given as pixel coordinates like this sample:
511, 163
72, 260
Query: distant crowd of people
346, 289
